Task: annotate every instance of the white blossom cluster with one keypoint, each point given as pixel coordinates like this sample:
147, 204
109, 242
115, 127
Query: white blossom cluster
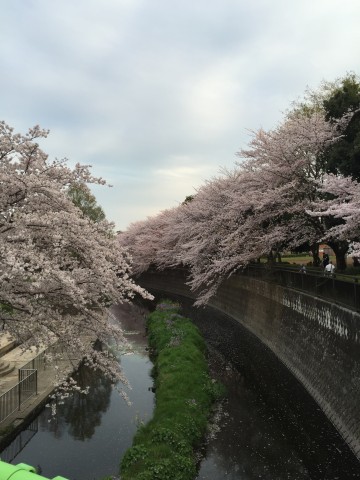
59, 270
264, 205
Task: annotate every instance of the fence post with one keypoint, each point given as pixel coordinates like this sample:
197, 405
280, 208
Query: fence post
19, 390
355, 288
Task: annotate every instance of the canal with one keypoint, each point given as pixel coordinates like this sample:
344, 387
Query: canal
252, 434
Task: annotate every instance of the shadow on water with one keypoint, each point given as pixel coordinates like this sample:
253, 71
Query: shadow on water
81, 414
245, 441
270, 427
267, 428
90, 433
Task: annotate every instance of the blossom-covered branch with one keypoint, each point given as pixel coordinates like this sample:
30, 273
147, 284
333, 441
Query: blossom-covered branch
59, 270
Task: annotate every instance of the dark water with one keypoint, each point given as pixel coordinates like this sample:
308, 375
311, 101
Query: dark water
91, 432
253, 443
253, 435
270, 427
246, 442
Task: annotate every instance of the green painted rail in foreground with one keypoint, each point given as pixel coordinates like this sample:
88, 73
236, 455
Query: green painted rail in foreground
21, 471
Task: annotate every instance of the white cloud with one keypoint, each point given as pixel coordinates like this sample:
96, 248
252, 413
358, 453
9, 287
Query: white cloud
157, 95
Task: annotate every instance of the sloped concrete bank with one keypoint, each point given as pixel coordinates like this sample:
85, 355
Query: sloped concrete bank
317, 341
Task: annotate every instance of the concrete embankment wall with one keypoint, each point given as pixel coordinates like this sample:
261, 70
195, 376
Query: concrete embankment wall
318, 342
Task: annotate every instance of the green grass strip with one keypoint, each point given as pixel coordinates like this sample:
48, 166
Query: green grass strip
163, 449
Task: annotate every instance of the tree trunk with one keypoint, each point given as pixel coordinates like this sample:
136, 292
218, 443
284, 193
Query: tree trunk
314, 248
340, 248
270, 257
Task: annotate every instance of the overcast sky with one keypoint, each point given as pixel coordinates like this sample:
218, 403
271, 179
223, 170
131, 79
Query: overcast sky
157, 95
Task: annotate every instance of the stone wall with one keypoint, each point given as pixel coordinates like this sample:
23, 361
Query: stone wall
319, 342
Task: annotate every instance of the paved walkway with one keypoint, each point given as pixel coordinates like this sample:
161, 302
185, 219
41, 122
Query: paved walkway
6, 343
45, 385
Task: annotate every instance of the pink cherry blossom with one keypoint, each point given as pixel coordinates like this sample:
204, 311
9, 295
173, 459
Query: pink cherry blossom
59, 271
262, 206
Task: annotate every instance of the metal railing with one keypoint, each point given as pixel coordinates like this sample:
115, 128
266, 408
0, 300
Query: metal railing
41, 361
343, 292
12, 400
16, 396
20, 441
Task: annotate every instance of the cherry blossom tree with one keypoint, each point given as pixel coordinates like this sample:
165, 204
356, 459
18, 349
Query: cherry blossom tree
342, 201
287, 161
338, 99
144, 239
60, 271
194, 236
260, 207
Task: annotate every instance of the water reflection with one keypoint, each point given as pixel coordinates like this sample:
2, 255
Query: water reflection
81, 414
258, 434
91, 432
252, 440
274, 429
20, 442
86, 444
247, 444
247, 448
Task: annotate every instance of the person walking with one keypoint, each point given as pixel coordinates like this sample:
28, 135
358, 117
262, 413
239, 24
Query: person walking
329, 269
302, 269
325, 261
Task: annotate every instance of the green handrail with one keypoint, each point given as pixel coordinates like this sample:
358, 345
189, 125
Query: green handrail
21, 471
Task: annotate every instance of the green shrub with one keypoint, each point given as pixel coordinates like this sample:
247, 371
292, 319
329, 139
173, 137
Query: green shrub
164, 448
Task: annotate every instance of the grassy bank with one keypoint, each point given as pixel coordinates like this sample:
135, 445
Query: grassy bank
164, 447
